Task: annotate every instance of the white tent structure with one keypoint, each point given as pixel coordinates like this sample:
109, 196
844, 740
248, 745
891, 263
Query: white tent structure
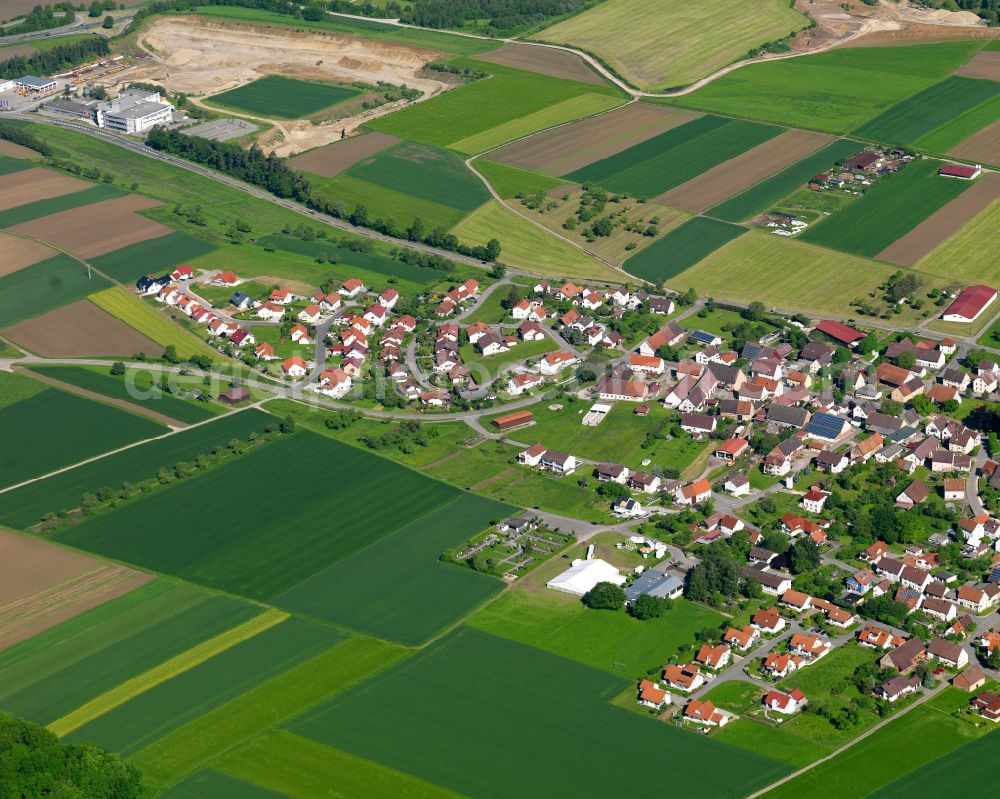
584, 575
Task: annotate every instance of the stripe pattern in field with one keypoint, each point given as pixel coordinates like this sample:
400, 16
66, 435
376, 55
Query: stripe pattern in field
574, 146
682, 248
330, 160
733, 176
948, 220
964, 256
19, 253
32, 185
127, 264
545, 60
45, 285
64, 202
982, 147
672, 158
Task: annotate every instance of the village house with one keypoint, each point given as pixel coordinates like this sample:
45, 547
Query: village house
895, 688
715, 656
705, 713
948, 653
652, 695
769, 620
784, 703
684, 676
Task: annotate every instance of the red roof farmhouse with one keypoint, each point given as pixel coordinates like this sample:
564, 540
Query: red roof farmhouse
839, 332
969, 304
960, 171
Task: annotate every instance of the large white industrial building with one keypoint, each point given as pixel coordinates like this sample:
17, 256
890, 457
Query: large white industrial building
132, 111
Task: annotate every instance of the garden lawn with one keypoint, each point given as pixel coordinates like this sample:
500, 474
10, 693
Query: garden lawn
45, 286
891, 208
492, 364
297, 487
510, 181
25, 506
455, 117
407, 716
675, 156
820, 92
762, 196
97, 379
150, 257
397, 588
907, 121
836, 666
277, 97
683, 247
609, 640
53, 429
53, 205
970, 255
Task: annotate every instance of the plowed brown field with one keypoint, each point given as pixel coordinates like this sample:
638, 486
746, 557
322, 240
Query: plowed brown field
31, 185
330, 160
77, 330
982, 146
544, 60
19, 253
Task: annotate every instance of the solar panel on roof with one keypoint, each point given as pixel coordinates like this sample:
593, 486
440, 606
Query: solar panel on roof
825, 425
702, 336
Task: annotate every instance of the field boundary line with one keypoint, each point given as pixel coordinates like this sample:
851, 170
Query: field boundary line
167, 670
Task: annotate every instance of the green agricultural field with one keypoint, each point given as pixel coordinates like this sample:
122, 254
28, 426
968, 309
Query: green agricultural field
397, 588
10, 165
98, 380
167, 706
820, 92
969, 255
489, 104
909, 120
956, 130
762, 196
293, 486
220, 786
53, 429
526, 246
150, 257
679, 42
675, 156
45, 286
510, 181
681, 248
887, 211
277, 97
193, 745
614, 642
25, 506
152, 324
790, 275
428, 173
45, 684
77, 199
584, 747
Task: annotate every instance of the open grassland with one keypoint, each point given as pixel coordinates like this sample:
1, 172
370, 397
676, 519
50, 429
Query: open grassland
681, 248
52, 205
135, 386
820, 92
940, 104
397, 588
156, 326
53, 429
762, 196
887, 211
297, 766
923, 734
92, 655
525, 246
281, 697
152, 257
613, 642
961, 772
293, 485
584, 747
676, 156
969, 255
25, 506
43, 286
790, 275
510, 181
679, 42
277, 97
478, 108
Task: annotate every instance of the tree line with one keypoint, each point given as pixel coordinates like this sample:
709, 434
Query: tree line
58, 59
25, 139
500, 17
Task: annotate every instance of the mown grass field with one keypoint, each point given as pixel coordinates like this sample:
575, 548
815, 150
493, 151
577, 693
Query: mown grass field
940, 104
294, 489
144, 318
100, 381
833, 668
53, 205
52, 429
762, 196
791, 275
525, 246
44, 286
583, 748
888, 210
969, 255
26, 505
680, 42
676, 156
509, 181
956, 130
681, 248
820, 92
475, 109
775, 742
152, 257
284, 98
